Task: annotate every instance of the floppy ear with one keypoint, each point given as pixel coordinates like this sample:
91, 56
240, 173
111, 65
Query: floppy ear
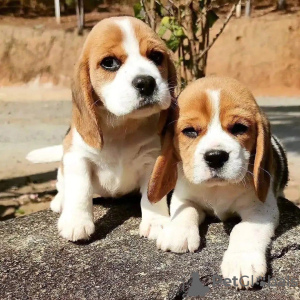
263, 157
172, 83
164, 174
172, 76
84, 106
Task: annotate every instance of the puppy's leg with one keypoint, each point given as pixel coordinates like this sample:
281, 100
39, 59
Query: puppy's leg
154, 216
76, 221
56, 204
182, 233
246, 253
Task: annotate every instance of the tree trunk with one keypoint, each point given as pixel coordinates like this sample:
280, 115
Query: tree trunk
202, 61
190, 21
80, 16
248, 8
281, 4
238, 11
57, 11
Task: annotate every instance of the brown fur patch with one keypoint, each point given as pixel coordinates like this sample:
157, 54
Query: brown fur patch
104, 40
239, 108
149, 41
194, 110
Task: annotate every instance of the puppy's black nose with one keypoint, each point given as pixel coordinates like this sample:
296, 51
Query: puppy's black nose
216, 158
144, 84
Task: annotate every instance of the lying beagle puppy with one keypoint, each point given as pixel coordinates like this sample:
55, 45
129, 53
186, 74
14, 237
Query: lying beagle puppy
123, 80
218, 146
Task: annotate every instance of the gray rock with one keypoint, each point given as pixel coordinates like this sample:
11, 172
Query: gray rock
117, 264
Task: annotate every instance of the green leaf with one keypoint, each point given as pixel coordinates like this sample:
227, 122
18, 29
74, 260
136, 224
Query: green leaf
212, 17
165, 21
173, 43
178, 31
138, 11
162, 30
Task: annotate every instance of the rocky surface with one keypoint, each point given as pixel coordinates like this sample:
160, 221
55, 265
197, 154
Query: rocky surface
117, 264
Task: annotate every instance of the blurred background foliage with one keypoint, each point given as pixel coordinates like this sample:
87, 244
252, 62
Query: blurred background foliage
31, 8
184, 26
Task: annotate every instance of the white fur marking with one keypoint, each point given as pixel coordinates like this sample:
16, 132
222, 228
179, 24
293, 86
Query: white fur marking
130, 42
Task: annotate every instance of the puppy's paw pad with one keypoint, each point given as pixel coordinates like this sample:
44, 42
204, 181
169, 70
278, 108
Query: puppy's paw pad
178, 238
251, 265
76, 227
151, 228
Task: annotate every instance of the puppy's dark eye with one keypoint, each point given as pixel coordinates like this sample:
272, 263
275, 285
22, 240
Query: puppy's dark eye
157, 57
238, 129
110, 63
190, 132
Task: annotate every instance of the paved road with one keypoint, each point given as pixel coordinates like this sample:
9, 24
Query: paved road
26, 125
284, 115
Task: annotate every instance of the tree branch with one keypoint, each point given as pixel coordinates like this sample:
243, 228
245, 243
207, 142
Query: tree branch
219, 33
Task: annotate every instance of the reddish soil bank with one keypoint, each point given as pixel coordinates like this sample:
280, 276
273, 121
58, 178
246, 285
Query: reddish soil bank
263, 51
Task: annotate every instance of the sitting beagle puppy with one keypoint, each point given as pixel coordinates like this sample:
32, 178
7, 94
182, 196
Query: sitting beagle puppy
217, 145
123, 80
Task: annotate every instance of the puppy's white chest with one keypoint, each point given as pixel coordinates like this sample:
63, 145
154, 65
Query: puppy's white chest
115, 178
123, 164
220, 208
220, 201
120, 169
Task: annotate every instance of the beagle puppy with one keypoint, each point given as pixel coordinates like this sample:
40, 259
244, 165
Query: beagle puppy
123, 80
219, 156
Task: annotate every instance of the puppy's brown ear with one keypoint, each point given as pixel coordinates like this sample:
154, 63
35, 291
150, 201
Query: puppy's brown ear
85, 117
172, 76
172, 83
263, 157
164, 174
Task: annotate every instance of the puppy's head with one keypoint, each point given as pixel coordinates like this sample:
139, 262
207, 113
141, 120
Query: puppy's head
124, 69
220, 135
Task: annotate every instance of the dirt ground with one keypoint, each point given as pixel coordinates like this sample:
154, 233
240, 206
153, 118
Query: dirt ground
262, 52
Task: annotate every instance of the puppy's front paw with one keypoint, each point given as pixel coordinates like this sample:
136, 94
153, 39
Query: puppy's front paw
252, 265
151, 227
179, 238
76, 226
56, 203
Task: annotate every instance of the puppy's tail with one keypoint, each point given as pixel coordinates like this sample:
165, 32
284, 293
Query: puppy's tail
46, 155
